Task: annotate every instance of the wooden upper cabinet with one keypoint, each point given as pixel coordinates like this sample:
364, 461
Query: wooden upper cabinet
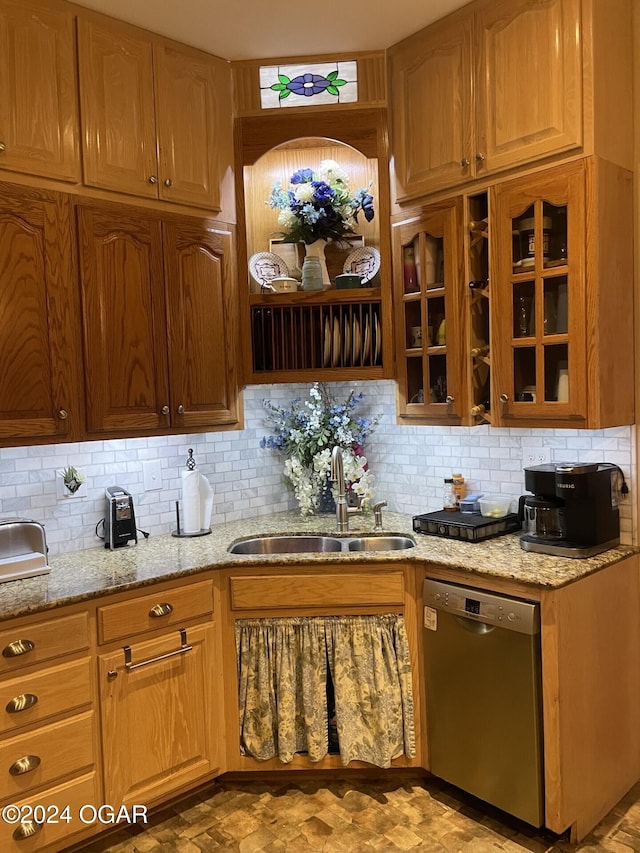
202, 343
491, 87
529, 81
186, 88
39, 325
152, 114
38, 114
159, 321
117, 109
124, 321
562, 298
432, 106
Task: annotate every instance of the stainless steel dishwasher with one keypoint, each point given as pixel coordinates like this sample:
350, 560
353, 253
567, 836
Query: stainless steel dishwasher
483, 689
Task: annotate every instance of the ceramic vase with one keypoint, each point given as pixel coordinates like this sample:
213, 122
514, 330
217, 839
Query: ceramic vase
316, 250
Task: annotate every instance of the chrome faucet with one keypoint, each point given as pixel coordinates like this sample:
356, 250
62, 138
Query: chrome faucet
337, 476
377, 515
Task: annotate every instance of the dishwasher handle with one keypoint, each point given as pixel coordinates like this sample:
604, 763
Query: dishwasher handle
474, 627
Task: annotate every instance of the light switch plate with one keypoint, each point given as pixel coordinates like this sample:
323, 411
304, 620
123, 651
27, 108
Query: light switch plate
151, 475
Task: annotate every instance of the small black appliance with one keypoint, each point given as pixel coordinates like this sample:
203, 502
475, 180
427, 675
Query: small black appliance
466, 526
120, 520
573, 511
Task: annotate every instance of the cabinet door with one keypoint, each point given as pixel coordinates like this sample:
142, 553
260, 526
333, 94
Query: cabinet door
186, 95
538, 304
124, 320
202, 316
430, 336
39, 308
529, 80
38, 115
159, 728
117, 109
432, 116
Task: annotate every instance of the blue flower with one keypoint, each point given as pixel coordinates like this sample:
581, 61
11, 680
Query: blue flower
308, 84
302, 176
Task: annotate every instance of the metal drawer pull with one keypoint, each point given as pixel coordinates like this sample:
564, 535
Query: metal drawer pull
17, 648
161, 609
26, 829
184, 648
21, 703
24, 765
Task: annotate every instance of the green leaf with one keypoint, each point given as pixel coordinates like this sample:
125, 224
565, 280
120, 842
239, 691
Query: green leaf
339, 82
278, 87
332, 90
332, 75
284, 79
285, 94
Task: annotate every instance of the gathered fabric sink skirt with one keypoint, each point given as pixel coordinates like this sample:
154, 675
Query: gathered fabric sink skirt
283, 668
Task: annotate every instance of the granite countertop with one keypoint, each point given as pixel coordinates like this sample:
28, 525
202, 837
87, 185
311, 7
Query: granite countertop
84, 575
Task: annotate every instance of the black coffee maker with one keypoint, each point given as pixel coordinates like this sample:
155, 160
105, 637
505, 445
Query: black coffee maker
573, 511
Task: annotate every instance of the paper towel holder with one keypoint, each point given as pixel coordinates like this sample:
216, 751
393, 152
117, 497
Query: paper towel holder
180, 533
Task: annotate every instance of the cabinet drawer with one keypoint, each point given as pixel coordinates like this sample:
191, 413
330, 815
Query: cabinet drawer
54, 751
42, 641
75, 794
158, 610
56, 689
267, 592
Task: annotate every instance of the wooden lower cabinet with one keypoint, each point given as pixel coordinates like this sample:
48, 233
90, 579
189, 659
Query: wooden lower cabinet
49, 746
159, 718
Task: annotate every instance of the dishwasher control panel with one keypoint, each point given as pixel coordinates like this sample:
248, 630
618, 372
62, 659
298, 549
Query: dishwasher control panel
514, 614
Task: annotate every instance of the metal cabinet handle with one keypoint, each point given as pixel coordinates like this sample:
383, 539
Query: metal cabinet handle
504, 398
3, 147
17, 648
63, 414
112, 675
181, 410
165, 410
153, 179
168, 182
27, 829
163, 609
184, 648
464, 163
21, 703
449, 399
479, 157
23, 765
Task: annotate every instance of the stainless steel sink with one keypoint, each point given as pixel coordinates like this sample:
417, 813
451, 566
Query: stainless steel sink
319, 544
381, 543
286, 545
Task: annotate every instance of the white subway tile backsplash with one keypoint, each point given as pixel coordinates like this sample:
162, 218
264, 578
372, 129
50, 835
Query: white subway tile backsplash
408, 462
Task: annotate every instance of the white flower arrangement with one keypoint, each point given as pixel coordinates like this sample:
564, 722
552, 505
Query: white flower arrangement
306, 433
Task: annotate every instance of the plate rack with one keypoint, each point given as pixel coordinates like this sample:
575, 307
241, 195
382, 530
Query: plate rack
292, 332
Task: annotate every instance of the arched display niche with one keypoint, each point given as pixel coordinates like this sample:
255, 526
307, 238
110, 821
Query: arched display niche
270, 148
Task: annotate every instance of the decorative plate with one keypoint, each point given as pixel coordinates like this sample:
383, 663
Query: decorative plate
326, 358
364, 262
265, 266
356, 352
337, 344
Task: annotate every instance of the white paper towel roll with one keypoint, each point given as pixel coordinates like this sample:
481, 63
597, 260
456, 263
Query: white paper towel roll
206, 503
190, 502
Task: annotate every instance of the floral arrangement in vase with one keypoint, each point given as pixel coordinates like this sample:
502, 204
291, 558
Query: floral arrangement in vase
319, 205
306, 432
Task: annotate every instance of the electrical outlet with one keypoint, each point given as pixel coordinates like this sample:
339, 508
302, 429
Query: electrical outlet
151, 475
537, 455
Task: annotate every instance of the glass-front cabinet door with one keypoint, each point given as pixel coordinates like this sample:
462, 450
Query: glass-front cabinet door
429, 332
538, 300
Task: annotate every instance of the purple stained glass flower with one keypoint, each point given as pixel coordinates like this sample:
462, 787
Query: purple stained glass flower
308, 84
